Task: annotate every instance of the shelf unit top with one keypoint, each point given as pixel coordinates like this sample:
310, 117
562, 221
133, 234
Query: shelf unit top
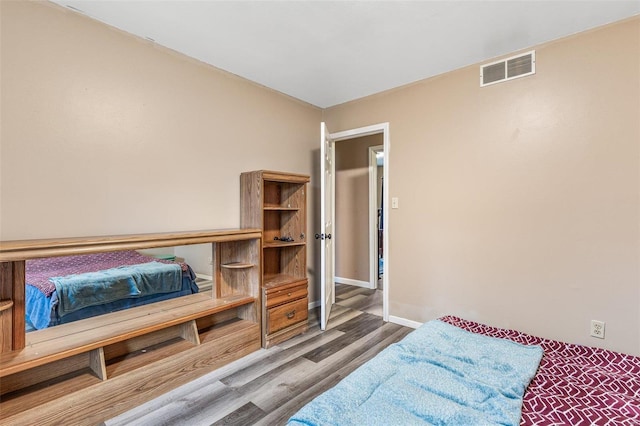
32, 249
284, 177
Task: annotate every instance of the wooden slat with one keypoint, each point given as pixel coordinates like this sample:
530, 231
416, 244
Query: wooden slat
217, 279
12, 320
189, 332
18, 310
6, 338
32, 249
97, 364
149, 318
6, 315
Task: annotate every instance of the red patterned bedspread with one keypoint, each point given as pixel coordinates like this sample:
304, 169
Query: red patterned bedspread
38, 271
575, 385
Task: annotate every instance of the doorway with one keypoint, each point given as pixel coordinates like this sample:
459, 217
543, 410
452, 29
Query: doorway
376, 214
347, 138
356, 194
359, 165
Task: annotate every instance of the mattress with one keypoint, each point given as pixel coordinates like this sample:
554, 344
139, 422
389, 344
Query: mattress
575, 384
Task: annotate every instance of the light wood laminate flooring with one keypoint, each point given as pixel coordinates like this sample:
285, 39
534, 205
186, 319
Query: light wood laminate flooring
270, 385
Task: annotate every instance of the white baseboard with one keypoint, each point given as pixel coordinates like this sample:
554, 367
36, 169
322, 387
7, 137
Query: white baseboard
404, 321
358, 283
393, 319
203, 276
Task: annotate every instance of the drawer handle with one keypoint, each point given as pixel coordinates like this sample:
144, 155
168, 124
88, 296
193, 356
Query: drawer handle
289, 294
291, 314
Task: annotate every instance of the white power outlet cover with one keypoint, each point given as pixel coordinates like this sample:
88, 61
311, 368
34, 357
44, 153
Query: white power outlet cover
394, 202
597, 329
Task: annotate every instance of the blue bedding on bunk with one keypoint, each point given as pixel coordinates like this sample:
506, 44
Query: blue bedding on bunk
111, 290
114, 284
439, 374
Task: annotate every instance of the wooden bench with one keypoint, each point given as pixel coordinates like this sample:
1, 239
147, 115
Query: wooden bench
90, 370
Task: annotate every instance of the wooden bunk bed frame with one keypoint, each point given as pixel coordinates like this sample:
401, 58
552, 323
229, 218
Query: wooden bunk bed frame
91, 370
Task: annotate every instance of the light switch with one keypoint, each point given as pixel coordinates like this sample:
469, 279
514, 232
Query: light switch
394, 202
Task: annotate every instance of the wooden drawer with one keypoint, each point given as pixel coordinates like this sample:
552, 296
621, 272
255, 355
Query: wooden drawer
283, 295
288, 314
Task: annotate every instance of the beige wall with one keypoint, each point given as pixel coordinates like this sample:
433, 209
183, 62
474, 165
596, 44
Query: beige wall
352, 207
106, 133
519, 202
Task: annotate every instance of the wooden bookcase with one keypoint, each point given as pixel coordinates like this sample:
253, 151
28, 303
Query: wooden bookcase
88, 371
276, 202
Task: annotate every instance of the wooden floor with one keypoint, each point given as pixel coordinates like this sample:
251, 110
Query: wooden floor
268, 386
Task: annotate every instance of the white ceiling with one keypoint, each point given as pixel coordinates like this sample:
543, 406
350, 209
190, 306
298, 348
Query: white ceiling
329, 52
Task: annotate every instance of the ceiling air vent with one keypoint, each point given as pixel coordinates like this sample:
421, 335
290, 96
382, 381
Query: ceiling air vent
508, 69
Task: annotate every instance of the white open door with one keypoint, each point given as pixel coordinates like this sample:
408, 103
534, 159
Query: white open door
327, 260
332, 140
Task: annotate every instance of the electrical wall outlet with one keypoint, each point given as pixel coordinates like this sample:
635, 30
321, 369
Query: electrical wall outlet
597, 329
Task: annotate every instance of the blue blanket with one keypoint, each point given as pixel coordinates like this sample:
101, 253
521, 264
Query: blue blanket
439, 374
97, 288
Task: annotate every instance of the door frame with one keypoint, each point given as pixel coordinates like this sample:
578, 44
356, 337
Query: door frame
373, 214
358, 133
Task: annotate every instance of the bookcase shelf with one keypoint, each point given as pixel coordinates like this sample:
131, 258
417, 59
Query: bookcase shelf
280, 244
276, 203
237, 265
281, 209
